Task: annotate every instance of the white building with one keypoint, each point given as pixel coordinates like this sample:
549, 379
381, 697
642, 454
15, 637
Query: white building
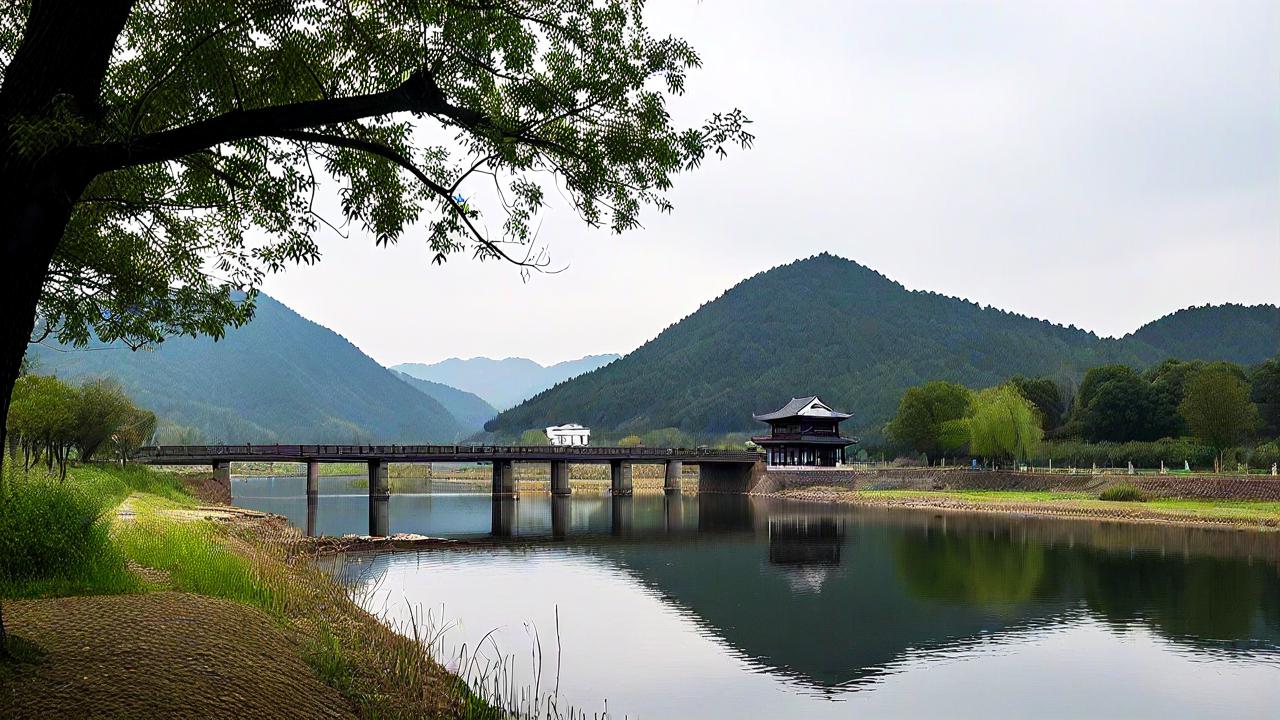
571, 434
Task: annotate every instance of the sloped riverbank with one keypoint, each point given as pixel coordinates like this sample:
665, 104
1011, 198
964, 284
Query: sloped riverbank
227, 616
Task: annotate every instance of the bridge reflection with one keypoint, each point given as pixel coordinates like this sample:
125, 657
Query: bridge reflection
644, 517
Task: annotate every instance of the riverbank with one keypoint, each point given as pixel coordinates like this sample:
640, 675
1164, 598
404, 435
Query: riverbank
171, 608
1239, 514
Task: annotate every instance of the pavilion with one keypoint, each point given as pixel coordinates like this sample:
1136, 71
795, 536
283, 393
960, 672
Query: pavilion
805, 432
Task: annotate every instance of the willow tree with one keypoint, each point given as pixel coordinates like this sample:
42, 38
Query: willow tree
156, 157
1004, 424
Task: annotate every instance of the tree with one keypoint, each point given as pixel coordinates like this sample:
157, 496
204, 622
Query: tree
1047, 398
924, 411
534, 437
1265, 393
1094, 378
101, 409
1124, 409
136, 428
1169, 380
43, 413
1003, 424
631, 441
668, 437
154, 157
1218, 410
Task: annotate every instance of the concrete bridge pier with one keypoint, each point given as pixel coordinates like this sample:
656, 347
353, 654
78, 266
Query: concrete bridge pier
672, 481
222, 476
311, 515
379, 498
619, 477
313, 495
560, 477
313, 479
504, 478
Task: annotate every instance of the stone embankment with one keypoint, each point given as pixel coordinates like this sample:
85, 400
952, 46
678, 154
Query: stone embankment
1199, 487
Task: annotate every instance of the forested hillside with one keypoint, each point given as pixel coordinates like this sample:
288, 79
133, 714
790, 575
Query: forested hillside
280, 378
1237, 333
470, 410
828, 326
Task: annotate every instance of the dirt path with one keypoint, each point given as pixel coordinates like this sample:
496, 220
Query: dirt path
159, 655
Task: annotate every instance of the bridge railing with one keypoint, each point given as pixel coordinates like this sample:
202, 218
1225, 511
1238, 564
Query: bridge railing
360, 452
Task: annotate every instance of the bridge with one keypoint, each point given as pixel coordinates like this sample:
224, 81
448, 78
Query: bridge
719, 470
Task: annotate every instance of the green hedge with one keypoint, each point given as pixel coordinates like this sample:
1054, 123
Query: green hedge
1077, 453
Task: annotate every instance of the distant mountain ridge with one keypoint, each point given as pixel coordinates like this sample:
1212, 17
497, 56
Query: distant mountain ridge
506, 382
1244, 334
830, 326
280, 378
470, 410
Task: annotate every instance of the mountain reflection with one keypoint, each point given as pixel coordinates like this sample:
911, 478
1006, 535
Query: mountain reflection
833, 597
841, 597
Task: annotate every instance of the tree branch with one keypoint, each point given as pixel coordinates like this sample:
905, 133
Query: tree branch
390, 153
418, 94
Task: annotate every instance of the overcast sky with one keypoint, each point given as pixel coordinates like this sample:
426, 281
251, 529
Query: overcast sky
1096, 164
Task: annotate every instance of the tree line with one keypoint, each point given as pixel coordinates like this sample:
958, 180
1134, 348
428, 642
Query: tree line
50, 420
1188, 410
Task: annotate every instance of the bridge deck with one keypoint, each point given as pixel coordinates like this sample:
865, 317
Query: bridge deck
208, 454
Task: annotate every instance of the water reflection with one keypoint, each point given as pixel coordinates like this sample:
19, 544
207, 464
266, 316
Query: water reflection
805, 539
751, 597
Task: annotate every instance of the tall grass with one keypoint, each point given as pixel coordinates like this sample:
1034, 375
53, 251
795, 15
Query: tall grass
197, 560
54, 537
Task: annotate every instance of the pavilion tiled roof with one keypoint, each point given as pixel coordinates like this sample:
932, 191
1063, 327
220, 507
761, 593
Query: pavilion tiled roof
803, 407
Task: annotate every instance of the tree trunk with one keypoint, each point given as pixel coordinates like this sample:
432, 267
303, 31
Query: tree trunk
65, 51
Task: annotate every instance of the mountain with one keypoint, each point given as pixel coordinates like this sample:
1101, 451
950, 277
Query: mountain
1244, 334
506, 382
471, 411
280, 378
830, 326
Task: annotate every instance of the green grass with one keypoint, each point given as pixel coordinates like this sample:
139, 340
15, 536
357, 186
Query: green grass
55, 536
1241, 510
196, 557
1124, 492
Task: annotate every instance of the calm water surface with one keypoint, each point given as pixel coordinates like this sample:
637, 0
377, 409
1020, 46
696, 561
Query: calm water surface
731, 607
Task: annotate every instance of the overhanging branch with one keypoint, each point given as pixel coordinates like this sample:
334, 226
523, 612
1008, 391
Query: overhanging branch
418, 94
389, 153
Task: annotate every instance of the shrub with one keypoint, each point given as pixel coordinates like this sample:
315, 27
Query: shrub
1265, 454
1123, 492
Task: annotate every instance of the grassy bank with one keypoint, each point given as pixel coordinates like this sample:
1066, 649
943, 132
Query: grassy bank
1127, 506
134, 543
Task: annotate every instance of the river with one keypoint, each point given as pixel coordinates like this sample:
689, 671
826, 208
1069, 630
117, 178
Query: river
735, 607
